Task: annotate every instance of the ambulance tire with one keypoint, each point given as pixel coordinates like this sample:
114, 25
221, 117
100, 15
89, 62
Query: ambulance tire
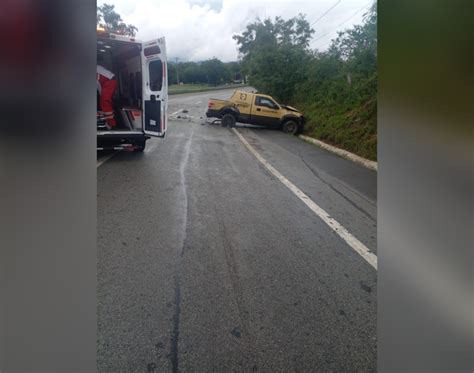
140, 146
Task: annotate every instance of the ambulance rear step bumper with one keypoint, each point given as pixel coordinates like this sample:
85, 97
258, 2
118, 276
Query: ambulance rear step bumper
118, 140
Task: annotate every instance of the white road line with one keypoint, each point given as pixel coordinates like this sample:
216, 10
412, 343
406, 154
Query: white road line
198, 102
176, 112
152, 146
353, 242
101, 161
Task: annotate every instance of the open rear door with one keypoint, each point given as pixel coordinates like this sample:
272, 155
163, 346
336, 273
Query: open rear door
155, 87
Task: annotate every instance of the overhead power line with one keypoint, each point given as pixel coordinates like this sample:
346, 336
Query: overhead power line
339, 25
326, 12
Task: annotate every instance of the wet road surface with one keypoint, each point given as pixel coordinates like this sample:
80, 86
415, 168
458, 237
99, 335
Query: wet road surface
207, 262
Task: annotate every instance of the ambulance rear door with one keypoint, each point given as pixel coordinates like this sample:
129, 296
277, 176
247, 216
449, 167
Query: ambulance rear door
155, 87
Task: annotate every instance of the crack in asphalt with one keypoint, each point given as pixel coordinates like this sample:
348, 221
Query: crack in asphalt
176, 318
254, 142
357, 207
174, 351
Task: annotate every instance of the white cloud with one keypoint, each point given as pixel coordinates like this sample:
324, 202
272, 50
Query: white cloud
201, 29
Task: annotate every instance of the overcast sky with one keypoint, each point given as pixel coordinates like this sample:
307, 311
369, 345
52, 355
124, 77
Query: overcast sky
197, 30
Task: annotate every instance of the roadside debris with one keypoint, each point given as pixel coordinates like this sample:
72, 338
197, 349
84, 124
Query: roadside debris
182, 117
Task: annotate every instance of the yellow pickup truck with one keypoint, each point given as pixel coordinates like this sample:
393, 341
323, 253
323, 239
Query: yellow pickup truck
258, 109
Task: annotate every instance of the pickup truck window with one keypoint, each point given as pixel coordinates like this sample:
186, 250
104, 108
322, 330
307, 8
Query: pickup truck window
263, 101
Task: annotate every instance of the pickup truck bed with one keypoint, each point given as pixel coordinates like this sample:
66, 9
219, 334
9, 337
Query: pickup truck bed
216, 105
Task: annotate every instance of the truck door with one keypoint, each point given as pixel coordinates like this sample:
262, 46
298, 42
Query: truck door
265, 112
242, 101
155, 87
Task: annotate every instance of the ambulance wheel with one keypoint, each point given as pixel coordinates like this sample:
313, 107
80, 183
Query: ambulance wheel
228, 120
140, 146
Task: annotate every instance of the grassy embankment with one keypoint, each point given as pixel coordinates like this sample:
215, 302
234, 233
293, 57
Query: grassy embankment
341, 114
353, 129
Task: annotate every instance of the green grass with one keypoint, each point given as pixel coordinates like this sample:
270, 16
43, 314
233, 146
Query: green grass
191, 88
353, 130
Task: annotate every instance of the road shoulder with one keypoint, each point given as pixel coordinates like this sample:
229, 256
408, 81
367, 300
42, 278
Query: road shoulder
371, 165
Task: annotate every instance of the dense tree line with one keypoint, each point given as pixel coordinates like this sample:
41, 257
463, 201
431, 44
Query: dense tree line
336, 89
212, 72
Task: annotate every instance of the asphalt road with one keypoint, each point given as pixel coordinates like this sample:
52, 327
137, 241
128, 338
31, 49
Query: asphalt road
207, 262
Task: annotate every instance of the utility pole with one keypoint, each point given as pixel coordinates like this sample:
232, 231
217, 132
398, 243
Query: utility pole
177, 72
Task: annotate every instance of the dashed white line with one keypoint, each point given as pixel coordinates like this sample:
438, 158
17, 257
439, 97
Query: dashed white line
176, 112
102, 160
342, 232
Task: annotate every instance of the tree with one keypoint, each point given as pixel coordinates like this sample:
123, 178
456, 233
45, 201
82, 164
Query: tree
339, 96
111, 21
233, 71
295, 31
212, 72
172, 73
215, 71
275, 53
193, 73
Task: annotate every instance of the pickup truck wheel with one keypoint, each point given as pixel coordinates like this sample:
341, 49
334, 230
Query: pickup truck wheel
290, 127
228, 120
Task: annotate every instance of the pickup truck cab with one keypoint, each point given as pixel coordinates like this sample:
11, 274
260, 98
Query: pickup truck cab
257, 109
140, 102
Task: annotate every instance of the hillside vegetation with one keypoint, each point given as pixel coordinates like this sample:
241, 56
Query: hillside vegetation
336, 89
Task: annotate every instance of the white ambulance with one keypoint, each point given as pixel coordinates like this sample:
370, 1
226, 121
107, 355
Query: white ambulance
140, 101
